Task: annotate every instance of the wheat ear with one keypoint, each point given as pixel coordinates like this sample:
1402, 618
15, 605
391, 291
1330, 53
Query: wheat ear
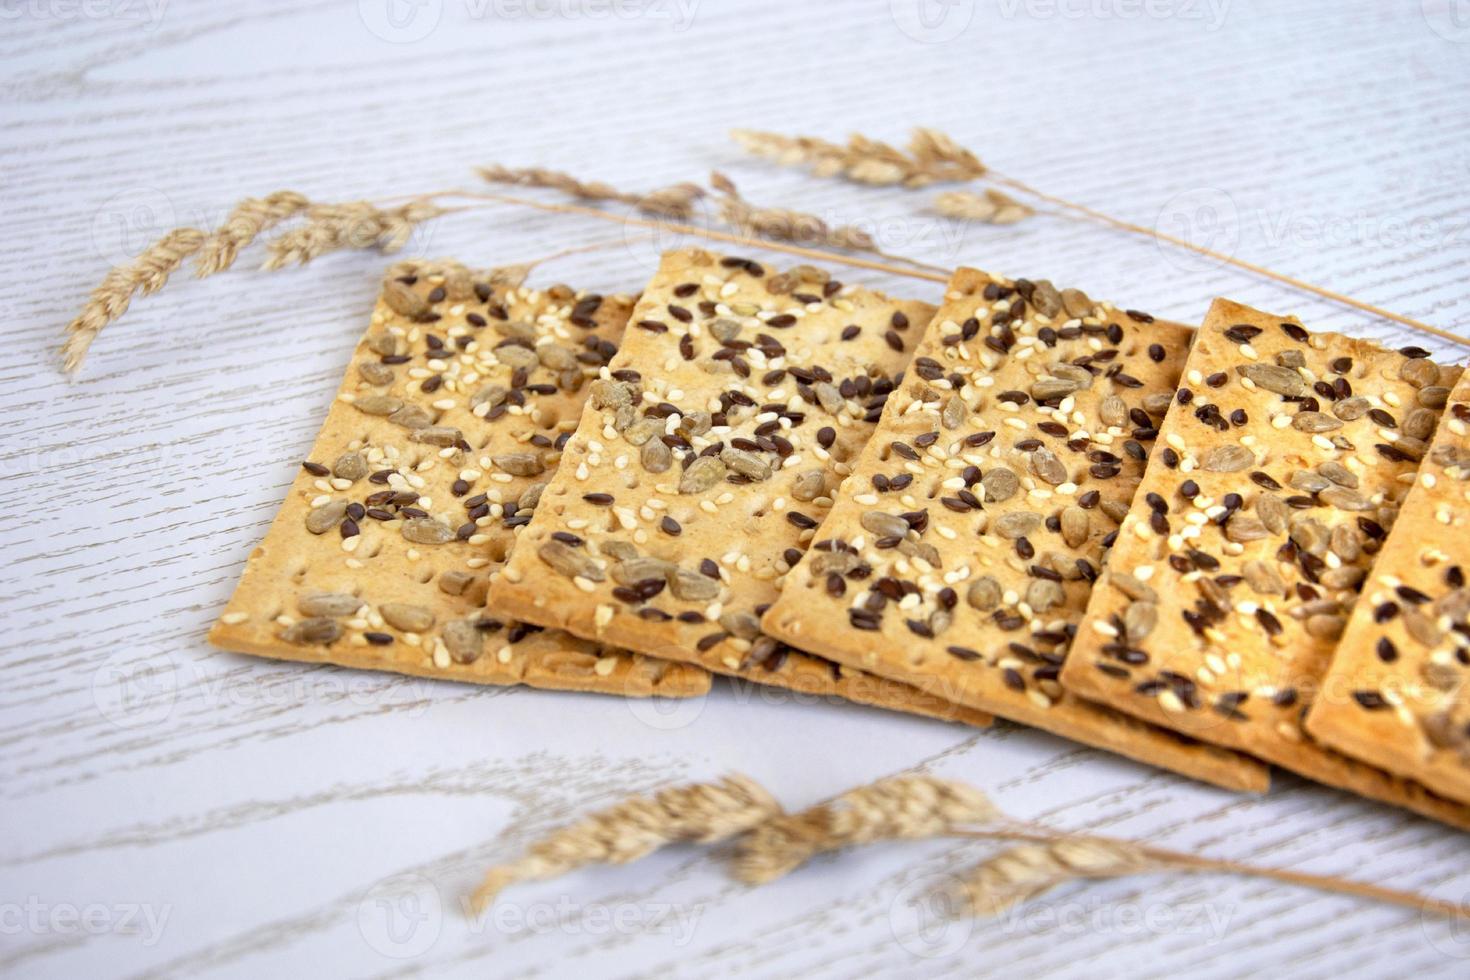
901, 808
674, 201
245, 223
358, 225
638, 826
148, 272
1021, 873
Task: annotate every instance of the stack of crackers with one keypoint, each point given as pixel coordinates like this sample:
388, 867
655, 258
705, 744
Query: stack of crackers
1208, 550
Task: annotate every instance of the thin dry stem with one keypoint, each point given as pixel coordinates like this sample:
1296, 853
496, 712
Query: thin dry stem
358, 225
990, 207
675, 201
638, 826
147, 273
250, 218
902, 808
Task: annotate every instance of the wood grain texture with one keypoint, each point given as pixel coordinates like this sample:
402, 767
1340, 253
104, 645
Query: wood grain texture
272, 817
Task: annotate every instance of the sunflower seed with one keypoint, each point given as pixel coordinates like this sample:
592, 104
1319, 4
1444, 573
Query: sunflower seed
519, 464
491, 394
1273, 377
1044, 464
412, 417
407, 617
322, 519
318, 629
383, 343
639, 432
1242, 529
557, 357
1420, 423
401, 299
1227, 459
808, 485
1075, 527
569, 561
954, 412
1314, 422
516, 356
1351, 409
427, 530
377, 404
1346, 542
350, 466
442, 436
1339, 474
834, 562
1325, 626
693, 586
1139, 620
745, 463
984, 593
1420, 372
1045, 299
829, 397
1017, 524
884, 525
374, 373
1076, 303
463, 640
1052, 389
1113, 411
1273, 512
1441, 677
741, 625
1000, 484
1262, 578
1434, 396
641, 568
1308, 482
1345, 499
1132, 587
703, 473
1343, 577
656, 456
1043, 594
328, 604
454, 582
1421, 627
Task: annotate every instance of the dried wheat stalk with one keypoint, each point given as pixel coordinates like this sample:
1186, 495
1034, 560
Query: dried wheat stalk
675, 201
932, 157
638, 826
902, 808
358, 225
1021, 873
785, 225
246, 222
990, 207
147, 273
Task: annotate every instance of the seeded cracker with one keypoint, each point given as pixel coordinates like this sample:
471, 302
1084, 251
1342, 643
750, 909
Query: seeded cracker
1397, 694
1280, 468
447, 424
961, 550
704, 461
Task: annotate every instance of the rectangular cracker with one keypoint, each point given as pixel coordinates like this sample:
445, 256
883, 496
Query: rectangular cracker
1280, 464
960, 552
1396, 695
701, 467
482, 381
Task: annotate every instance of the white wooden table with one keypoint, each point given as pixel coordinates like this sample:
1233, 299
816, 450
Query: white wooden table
169, 809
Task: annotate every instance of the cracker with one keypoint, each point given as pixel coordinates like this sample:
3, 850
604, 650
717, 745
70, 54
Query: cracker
703, 464
1396, 694
961, 550
381, 554
1280, 465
